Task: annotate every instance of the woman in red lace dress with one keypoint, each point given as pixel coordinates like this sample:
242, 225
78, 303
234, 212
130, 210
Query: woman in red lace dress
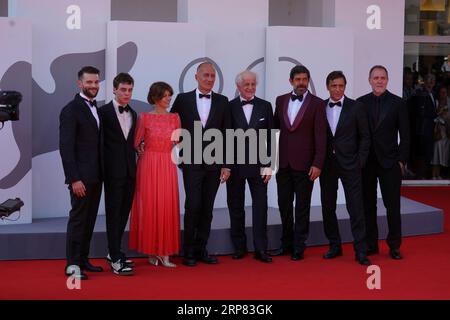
155, 215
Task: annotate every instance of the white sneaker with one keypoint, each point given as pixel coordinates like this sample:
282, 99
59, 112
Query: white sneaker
121, 268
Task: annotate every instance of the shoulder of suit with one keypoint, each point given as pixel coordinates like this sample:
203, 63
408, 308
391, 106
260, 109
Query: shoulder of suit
220, 96
235, 100
185, 94
73, 104
315, 99
348, 100
395, 97
364, 97
105, 107
261, 101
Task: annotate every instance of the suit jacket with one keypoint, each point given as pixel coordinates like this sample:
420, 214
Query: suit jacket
393, 120
119, 153
302, 144
261, 118
219, 118
351, 141
80, 143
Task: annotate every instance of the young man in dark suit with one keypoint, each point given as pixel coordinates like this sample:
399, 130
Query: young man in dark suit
388, 118
250, 114
347, 150
300, 116
204, 109
119, 122
80, 149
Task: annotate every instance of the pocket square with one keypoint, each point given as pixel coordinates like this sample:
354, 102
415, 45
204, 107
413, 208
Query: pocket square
262, 119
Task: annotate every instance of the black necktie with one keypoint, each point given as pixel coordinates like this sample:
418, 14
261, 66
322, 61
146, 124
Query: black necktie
207, 96
332, 104
122, 109
294, 97
244, 102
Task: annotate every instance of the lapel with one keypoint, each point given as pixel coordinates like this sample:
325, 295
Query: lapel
256, 112
344, 113
239, 114
86, 111
192, 101
133, 123
285, 106
111, 113
212, 110
330, 133
301, 112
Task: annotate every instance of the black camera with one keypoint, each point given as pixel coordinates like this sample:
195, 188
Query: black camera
9, 105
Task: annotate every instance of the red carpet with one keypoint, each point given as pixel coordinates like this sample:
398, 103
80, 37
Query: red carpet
423, 274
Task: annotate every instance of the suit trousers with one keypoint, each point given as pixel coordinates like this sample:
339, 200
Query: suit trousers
236, 206
292, 183
118, 201
201, 187
81, 223
390, 182
352, 183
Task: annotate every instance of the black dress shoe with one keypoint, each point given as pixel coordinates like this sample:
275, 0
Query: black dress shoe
280, 252
239, 254
362, 259
395, 254
189, 261
206, 258
75, 272
262, 256
372, 251
333, 253
87, 266
297, 255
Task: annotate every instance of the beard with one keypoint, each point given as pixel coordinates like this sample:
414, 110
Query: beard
88, 93
300, 90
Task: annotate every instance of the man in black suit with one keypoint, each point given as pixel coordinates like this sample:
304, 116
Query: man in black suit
250, 114
347, 149
80, 148
201, 109
388, 118
119, 122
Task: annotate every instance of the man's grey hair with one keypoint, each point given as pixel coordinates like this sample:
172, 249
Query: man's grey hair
240, 77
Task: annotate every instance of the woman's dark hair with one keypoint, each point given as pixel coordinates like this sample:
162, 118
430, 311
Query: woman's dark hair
157, 91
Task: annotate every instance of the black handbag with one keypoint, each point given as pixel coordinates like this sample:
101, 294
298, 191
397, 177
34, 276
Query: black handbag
10, 206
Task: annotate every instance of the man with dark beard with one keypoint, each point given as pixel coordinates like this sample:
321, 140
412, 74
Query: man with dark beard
79, 144
301, 118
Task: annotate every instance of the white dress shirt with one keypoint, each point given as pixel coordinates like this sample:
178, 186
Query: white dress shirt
93, 109
125, 119
295, 106
333, 114
248, 109
203, 106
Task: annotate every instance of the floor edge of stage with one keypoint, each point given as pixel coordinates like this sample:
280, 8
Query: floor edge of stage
45, 238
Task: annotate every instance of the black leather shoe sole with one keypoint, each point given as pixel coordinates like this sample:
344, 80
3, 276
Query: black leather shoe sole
332, 254
239, 255
362, 260
297, 256
92, 268
263, 259
190, 262
209, 260
395, 255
